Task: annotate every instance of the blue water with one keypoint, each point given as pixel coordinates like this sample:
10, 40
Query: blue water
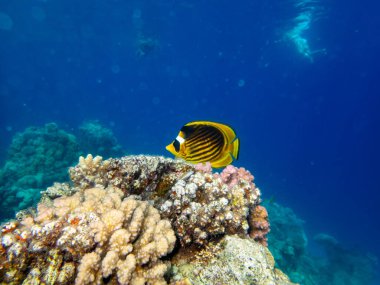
308, 121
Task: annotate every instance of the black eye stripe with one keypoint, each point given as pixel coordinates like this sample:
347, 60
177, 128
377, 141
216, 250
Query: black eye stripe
176, 145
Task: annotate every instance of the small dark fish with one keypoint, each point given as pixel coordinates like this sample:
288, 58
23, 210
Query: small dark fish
203, 141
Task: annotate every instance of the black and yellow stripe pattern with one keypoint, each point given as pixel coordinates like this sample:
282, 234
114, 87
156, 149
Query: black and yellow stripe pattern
204, 141
204, 144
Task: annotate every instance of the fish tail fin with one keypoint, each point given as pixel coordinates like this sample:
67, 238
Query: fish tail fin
234, 148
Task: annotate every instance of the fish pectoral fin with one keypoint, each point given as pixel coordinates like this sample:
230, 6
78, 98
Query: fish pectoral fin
224, 161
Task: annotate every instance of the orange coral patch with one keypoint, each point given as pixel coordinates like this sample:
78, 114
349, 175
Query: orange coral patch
75, 221
20, 238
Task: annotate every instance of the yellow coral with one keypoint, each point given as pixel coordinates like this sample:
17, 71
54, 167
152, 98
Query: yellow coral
87, 269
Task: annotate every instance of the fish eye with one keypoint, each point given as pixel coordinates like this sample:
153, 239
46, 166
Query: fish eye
176, 145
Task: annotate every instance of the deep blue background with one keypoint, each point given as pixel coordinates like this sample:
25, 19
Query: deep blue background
309, 130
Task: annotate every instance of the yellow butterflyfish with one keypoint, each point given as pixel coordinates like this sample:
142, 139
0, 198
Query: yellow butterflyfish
203, 141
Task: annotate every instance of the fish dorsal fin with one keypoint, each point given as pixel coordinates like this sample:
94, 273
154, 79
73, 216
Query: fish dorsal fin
227, 130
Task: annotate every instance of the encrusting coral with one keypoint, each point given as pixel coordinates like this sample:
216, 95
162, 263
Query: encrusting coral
92, 235
146, 176
258, 216
201, 206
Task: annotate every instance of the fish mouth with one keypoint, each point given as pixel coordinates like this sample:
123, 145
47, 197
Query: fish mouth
170, 148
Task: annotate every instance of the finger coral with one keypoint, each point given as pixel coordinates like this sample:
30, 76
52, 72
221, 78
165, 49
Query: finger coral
91, 236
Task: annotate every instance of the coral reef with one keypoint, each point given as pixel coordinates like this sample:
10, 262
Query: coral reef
232, 261
119, 219
40, 156
95, 138
199, 204
37, 157
91, 235
287, 238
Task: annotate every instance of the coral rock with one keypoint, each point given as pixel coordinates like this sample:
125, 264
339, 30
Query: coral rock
232, 261
145, 175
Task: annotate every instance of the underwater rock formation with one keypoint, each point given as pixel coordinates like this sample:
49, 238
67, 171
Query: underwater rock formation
233, 260
120, 218
95, 138
94, 234
37, 157
287, 238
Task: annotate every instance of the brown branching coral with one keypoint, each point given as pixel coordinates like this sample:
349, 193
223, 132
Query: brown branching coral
92, 235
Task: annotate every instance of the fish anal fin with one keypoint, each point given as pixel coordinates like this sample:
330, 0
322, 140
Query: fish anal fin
224, 161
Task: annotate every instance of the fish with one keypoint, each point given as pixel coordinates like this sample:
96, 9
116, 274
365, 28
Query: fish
204, 141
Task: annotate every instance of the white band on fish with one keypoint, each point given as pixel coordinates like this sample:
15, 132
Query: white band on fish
180, 139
